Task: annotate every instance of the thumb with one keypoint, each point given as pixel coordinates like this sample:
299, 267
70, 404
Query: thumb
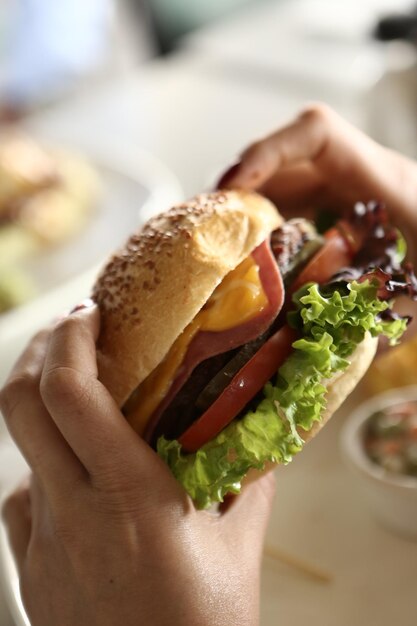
250, 512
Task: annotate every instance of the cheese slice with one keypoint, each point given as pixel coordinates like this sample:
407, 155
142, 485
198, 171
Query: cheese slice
238, 298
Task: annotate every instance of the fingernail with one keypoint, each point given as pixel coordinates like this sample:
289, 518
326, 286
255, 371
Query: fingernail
84, 304
229, 175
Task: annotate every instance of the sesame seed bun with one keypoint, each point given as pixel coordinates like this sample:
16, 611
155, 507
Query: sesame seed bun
155, 285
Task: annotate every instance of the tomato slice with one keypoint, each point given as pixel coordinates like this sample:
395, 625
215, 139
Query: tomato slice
337, 252
206, 344
243, 387
332, 256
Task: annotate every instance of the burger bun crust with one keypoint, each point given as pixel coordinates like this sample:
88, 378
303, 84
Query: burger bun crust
155, 285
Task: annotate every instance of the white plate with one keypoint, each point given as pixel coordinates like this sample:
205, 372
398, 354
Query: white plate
135, 186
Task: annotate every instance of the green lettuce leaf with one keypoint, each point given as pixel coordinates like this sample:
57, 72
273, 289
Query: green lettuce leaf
400, 248
331, 323
219, 466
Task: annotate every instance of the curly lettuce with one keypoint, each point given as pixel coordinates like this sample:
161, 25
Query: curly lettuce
331, 323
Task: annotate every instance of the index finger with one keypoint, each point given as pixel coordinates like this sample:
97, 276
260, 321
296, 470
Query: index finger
82, 408
30, 424
302, 140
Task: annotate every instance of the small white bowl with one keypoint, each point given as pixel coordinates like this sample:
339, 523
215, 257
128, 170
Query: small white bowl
392, 498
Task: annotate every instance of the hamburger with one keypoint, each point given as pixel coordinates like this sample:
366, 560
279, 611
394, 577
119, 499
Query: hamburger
229, 336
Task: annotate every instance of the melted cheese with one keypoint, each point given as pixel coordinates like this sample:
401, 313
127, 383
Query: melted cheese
238, 298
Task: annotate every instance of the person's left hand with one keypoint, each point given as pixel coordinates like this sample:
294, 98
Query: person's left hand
103, 534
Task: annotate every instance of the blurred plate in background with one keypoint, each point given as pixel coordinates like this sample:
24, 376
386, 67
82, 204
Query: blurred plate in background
134, 186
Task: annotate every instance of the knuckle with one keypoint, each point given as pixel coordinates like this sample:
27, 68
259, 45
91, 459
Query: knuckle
317, 112
253, 149
66, 385
58, 380
15, 391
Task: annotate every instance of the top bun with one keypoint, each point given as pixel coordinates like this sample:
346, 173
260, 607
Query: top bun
155, 285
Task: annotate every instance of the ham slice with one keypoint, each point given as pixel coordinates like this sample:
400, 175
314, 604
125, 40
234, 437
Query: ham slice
207, 344
250, 379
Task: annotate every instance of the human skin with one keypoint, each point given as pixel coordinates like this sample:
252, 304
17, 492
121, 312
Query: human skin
320, 161
102, 533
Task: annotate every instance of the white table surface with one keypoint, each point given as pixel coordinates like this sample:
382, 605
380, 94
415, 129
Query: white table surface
195, 115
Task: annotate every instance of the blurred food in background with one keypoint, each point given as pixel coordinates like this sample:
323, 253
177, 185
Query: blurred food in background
395, 368
390, 438
15, 288
46, 197
379, 443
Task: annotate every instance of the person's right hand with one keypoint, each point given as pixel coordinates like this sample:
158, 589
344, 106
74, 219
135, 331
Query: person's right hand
320, 161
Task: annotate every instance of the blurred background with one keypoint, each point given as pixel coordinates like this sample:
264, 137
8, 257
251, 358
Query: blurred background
111, 110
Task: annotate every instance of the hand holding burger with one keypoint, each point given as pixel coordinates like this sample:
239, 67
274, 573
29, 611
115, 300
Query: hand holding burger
104, 533
320, 161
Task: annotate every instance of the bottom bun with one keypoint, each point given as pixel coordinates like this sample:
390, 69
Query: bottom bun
338, 389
